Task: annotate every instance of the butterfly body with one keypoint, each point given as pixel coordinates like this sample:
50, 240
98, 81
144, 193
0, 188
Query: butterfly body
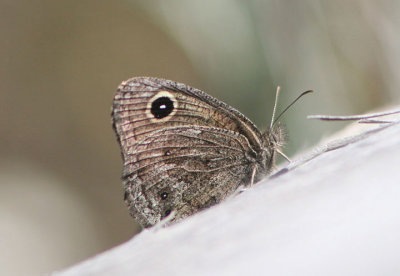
184, 150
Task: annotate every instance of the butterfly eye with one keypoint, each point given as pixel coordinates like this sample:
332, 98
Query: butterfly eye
162, 107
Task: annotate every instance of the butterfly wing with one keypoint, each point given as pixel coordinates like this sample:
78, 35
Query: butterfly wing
185, 169
138, 102
182, 149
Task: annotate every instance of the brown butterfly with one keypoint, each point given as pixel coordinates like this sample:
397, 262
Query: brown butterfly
183, 150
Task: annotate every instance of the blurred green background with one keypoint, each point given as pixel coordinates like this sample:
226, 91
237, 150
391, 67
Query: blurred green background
61, 61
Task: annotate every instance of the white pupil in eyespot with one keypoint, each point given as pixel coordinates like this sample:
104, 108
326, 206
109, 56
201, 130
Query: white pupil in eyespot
163, 106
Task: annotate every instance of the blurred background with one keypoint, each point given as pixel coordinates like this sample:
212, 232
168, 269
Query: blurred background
61, 62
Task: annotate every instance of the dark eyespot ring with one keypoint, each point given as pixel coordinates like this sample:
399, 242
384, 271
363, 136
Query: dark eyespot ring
162, 107
164, 195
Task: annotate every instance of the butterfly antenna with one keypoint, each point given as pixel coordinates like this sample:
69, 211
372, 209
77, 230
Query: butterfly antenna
273, 122
275, 104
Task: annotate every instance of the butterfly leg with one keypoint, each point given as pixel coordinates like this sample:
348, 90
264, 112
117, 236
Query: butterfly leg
242, 188
283, 155
253, 175
164, 222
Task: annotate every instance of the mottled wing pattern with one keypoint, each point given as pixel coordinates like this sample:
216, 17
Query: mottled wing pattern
132, 120
182, 149
202, 169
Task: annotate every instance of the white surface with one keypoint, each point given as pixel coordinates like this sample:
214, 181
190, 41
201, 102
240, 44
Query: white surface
337, 214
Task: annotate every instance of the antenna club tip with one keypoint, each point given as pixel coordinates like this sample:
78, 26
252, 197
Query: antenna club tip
306, 92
